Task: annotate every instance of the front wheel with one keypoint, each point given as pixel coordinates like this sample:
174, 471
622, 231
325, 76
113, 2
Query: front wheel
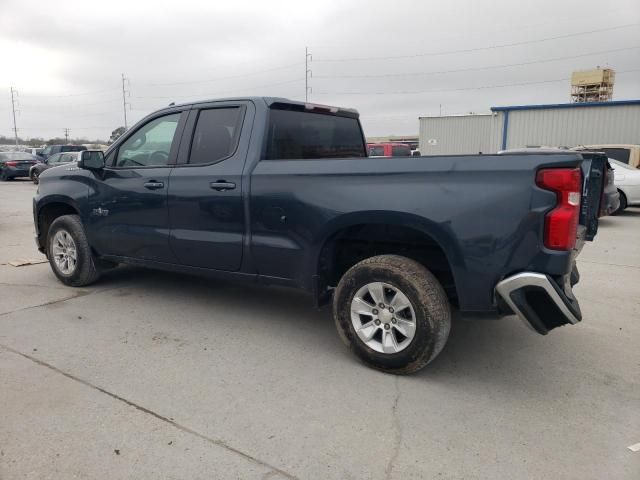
35, 177
69, 252
393, 313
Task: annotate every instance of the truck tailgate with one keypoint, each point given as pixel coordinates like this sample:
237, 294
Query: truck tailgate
594, 169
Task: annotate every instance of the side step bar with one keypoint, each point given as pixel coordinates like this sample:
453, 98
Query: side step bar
539, 301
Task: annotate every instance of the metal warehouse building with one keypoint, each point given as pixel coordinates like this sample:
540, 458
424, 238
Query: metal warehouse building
555, 125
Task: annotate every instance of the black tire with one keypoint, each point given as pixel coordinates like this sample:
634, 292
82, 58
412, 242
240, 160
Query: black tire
4, 177
35, 177
623, 203
427, 297
85, 271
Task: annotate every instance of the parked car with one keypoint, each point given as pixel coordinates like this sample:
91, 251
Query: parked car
37, 152
625, 153
388, 150
610, 196
280, 192
52, 149
53, 161
15, 164
627, 181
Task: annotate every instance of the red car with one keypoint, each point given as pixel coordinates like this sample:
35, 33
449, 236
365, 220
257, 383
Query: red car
388, 150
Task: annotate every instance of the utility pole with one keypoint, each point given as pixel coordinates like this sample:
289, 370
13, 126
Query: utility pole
124, 100
14, 94
66, 135
307, 73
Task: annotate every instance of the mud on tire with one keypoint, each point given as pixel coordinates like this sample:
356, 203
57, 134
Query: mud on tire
429, 302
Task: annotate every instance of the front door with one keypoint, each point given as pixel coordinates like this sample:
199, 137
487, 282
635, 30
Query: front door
128, 213
206, 207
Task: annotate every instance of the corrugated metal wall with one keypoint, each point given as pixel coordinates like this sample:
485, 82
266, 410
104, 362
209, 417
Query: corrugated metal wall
574, 126
460, 134
553, 127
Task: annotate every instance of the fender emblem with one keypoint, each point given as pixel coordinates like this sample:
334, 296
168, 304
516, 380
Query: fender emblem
100, 212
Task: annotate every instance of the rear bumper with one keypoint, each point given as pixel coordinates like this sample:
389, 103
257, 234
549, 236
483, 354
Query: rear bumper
539, 301
13, 172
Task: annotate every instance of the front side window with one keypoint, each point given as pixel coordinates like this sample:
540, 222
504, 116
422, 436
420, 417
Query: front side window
216, 135
150, 145
55, 159
306, 135
46, 151
67, 158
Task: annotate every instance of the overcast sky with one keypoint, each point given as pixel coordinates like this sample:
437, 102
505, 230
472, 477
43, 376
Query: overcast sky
392, 60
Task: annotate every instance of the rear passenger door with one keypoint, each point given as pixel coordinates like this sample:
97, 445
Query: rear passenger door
206, 208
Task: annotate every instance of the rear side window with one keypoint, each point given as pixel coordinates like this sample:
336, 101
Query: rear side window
620, 154
400, 151
216, 135
306, 135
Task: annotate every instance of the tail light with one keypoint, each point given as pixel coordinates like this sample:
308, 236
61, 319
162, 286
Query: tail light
561, 223
11, 163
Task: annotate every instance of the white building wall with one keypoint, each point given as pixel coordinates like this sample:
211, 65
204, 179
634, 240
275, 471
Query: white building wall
463, 134
574, 126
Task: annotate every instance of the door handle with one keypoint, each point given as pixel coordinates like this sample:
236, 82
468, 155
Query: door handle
222, 185
152, 185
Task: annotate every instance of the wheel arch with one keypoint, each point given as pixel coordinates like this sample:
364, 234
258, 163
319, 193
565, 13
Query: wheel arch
51, 209
431, 244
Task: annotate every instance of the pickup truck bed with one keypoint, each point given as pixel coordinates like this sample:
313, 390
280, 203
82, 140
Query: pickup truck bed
292, 199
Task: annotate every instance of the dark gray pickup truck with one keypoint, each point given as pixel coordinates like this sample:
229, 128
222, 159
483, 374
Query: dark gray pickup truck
281, 192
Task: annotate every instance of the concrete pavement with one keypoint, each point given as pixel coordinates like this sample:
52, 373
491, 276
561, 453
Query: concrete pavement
155, 375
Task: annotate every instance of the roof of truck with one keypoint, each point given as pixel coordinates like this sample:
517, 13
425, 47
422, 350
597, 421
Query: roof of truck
270, 101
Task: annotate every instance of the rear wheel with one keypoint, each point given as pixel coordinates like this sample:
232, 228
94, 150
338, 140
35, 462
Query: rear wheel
3, 176
623, 203
69, 252
393, 313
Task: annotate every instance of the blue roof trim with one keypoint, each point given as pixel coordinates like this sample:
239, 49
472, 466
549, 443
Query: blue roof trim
566, 105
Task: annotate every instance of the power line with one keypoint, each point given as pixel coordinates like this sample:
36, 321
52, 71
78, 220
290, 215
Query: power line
215, 79
477, 49
416, 92
100, 92
473, 69
14, 93
69, 106
173, 97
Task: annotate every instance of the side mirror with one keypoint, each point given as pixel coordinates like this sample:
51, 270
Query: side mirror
91, 160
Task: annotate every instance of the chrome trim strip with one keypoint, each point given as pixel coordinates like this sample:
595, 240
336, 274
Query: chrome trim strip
524, 279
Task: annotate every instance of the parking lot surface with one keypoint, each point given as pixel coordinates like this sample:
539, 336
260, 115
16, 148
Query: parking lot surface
156, 375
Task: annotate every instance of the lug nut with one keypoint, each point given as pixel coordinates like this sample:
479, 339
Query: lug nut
377, 322
390, 310
381, 305
374, 311
386, 326
393, 320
